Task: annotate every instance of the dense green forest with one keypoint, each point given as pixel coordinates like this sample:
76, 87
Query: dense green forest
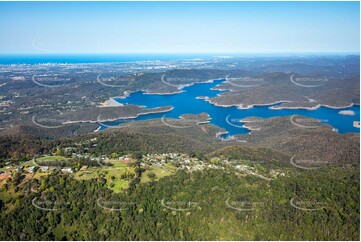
228, 204
205, 205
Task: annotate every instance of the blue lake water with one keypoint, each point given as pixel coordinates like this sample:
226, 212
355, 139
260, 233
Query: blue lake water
186, 103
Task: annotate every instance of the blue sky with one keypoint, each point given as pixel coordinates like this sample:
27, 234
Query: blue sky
179, 27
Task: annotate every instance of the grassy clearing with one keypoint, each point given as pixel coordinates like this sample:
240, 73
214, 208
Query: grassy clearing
169, 166
158, 171
32, 163
87, 174
117, 163
39, 174
52, 158
115, 171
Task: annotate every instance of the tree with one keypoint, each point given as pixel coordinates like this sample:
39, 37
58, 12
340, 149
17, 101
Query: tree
137, 156
151, 175
59, 152
17, 178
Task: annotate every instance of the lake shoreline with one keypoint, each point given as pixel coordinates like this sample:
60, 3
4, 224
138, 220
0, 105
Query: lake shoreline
196, 99
119, 118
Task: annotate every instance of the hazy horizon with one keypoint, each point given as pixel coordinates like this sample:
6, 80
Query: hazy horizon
179, 27
217, 54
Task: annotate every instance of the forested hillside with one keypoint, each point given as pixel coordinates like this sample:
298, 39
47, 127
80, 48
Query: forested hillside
212, 205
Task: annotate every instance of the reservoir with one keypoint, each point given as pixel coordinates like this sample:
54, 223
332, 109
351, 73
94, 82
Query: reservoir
229, 118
